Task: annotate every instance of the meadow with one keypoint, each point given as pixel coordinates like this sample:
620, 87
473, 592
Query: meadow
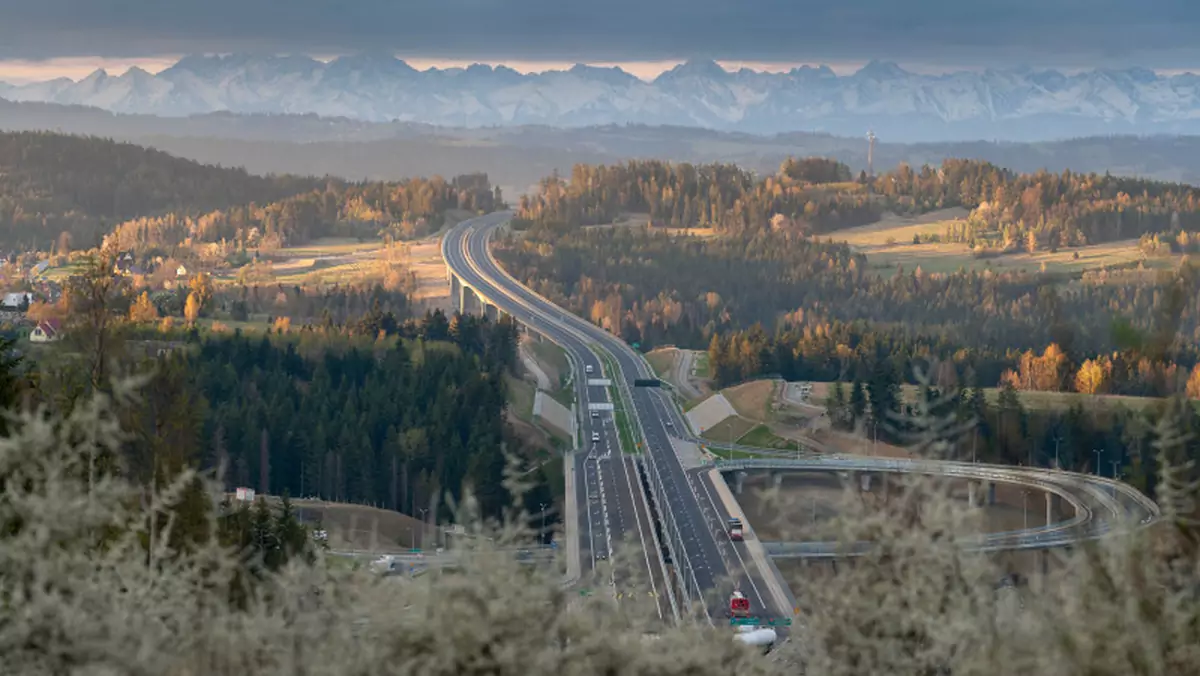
889, 245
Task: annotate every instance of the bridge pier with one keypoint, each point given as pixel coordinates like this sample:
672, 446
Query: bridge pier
776, 479
456, 292
864, 480
739, 481
1053, 507
981, 493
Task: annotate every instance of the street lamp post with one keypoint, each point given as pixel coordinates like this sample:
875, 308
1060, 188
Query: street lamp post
1056, 463
542, 532
1025, 507
1097, 451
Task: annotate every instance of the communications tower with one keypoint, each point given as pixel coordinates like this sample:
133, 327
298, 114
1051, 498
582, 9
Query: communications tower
870, 154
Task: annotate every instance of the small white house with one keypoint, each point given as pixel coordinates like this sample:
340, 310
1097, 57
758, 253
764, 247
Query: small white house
181, 271
13, 301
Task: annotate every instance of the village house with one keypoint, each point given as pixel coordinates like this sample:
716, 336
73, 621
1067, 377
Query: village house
16, 300
126, 267
47, 331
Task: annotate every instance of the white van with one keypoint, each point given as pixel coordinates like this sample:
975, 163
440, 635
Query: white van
595, 436
588, 369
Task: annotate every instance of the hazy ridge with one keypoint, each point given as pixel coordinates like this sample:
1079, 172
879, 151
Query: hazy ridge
517, 157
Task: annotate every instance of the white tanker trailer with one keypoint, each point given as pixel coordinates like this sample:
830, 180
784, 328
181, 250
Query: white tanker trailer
761, 637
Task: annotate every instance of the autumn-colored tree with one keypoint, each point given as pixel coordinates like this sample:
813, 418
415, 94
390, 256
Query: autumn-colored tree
202, 287
191, 310
1046, 373
1193, 383
40, 311
1093, 376
143, 310
282, 324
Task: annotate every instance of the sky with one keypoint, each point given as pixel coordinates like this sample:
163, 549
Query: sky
48, 38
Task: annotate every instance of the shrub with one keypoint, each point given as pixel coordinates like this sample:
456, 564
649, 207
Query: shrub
90, 583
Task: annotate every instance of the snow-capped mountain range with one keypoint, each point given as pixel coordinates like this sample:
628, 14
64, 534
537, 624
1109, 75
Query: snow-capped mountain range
1011, 103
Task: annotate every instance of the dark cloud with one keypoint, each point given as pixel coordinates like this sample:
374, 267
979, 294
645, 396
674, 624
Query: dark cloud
1156, 33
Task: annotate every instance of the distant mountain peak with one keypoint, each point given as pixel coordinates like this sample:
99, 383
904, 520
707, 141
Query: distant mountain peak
374, 85
881, 70
611, 74
700, 68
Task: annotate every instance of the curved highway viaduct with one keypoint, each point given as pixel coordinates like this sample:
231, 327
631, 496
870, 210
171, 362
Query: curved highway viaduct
692, 500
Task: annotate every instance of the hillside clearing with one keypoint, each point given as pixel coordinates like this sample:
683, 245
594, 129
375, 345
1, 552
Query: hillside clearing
662, 360
889, 245
752, 400
1032, 400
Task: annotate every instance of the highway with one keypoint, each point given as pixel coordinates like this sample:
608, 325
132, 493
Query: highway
696, 501
613, 508
690, 498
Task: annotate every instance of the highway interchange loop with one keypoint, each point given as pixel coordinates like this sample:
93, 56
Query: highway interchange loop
619, 492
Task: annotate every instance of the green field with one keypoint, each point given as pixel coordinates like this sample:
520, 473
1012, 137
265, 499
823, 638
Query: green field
733, 427
763, 437
327, 246
888, 245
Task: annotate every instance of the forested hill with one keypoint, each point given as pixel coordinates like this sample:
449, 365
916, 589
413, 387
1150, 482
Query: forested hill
813, 196
50, 183
84, 187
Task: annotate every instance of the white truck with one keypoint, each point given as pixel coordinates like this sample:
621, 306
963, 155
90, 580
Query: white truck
735, 530
762, 638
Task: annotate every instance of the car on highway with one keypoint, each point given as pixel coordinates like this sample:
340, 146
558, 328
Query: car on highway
595, 436
595, 414
588, 368
669, 424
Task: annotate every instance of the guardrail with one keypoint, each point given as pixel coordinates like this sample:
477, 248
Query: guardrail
1063, 533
